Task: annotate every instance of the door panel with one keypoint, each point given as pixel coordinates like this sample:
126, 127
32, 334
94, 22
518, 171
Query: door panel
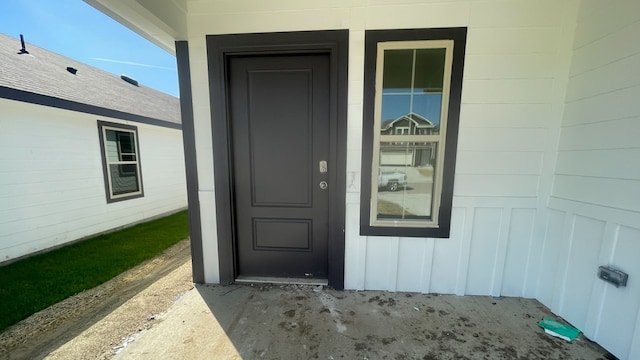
279, 109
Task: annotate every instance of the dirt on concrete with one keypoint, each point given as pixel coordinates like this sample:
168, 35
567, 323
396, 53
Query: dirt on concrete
155, 312
281, 322
95, 323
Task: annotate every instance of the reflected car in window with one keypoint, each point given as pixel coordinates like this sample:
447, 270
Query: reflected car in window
391, 180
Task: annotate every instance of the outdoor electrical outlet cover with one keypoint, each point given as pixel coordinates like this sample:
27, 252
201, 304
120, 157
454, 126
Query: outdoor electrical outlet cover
558, 329
616, 277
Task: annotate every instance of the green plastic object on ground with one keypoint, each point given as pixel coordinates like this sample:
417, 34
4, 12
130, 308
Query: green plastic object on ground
558, 329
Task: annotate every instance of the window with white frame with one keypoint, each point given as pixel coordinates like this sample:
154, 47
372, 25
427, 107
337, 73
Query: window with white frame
121, 161
412, 107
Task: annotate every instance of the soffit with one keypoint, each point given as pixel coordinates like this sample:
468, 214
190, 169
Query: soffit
159, 21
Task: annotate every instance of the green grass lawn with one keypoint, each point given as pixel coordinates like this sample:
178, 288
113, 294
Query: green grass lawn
32, 284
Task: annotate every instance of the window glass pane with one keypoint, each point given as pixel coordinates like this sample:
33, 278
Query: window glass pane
429, 70
393, 108
412, 91
111, 150
405, 180
127, 146
124, 178
121, 161
128, 157
126, 142
428, 84
396, 87
426, 113
411, 103
397, 70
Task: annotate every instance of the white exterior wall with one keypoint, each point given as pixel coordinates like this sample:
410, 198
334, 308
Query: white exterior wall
516, 70
51, 178
596, 192
547, 178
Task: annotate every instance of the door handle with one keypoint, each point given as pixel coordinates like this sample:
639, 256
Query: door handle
323, 185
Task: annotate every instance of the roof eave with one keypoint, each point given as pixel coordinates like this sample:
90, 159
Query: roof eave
147, 20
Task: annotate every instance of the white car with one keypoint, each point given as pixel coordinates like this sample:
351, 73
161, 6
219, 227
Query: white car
391, 180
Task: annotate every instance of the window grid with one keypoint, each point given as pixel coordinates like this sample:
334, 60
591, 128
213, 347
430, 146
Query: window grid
437, 141
121, 162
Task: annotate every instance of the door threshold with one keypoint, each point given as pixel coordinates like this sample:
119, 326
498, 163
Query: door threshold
278, 280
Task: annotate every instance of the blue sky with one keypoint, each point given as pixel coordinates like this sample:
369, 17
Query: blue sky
78, 31
425, 104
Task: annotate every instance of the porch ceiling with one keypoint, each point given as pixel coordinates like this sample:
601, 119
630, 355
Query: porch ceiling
161, 22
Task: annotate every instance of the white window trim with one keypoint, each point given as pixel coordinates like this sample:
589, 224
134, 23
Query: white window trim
439, 139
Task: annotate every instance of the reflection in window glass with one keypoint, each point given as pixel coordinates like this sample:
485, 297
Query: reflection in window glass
411, 125
405, 180
413, 83
124, 179
397, 77
412, 89
123, 168
126, 145
121, 161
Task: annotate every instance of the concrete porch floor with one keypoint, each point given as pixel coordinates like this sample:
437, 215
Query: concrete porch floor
310, 322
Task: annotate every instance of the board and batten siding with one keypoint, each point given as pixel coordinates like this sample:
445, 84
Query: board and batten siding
516, 69
547, 174
596, 193
52, 188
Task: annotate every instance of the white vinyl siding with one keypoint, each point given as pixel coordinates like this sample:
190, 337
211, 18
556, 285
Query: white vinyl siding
530, 73
516, 66
596, 194
52, 188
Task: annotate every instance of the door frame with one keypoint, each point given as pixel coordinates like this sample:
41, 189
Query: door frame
219, 49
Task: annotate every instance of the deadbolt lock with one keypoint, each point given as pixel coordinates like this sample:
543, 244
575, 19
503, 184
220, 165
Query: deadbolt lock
323, 166
323, 185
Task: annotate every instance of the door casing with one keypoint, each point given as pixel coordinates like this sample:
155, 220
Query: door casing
219, 49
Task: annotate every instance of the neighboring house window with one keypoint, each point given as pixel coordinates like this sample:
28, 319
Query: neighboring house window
402, 130
120, 161
413, 81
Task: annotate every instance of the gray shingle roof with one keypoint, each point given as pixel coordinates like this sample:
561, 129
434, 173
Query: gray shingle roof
44, 72
420, 121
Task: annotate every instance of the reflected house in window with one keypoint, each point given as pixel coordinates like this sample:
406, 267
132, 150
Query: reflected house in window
409, 113
396, 154
532, 218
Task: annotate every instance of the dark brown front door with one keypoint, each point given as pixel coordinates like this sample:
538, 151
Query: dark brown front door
279, 119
